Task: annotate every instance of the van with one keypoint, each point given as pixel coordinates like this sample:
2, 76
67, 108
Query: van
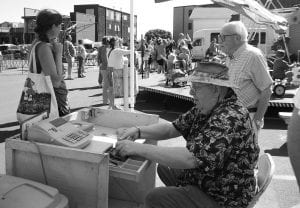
262, 38
10, 50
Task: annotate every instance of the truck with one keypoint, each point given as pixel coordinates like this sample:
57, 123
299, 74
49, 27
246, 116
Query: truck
262, 38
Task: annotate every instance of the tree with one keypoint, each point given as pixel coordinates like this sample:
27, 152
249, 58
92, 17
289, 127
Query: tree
156, 33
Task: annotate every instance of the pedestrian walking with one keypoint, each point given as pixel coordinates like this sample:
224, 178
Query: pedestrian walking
81, 59
104, 74
69, 53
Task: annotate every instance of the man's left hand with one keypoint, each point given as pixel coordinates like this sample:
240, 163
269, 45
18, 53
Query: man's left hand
127, 147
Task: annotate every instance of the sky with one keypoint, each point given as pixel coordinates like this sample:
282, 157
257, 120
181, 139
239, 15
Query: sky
150, 15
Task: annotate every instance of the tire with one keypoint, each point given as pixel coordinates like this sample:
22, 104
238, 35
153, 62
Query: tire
279, 90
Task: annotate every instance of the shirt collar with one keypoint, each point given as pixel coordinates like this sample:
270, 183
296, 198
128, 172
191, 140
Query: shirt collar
238, 51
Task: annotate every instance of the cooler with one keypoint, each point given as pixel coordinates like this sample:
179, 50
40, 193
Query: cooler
21, 193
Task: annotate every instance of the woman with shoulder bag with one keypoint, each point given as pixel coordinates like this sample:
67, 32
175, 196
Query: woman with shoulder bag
48, 55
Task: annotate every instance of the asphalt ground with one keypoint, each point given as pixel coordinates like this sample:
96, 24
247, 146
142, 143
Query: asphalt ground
281, 193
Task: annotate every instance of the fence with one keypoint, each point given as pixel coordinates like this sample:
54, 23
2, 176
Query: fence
6, 64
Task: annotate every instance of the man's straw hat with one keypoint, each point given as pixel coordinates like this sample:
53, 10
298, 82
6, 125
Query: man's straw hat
211, 73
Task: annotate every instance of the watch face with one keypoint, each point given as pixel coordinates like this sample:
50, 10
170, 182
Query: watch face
258, 123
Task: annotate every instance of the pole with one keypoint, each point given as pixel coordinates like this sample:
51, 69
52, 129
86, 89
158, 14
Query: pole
125, 84
142, 56
132, 74
286, 48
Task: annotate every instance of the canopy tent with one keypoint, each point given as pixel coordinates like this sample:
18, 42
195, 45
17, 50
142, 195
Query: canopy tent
256, 12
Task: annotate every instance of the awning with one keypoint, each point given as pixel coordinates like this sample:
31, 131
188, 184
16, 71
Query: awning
256, 12
159, 1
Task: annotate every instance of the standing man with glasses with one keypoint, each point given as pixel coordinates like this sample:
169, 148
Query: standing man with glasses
248, 70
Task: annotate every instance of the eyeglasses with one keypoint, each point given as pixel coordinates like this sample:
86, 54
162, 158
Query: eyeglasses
197, 86
223, 37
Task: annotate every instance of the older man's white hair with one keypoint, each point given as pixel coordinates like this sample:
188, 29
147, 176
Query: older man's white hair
236, 27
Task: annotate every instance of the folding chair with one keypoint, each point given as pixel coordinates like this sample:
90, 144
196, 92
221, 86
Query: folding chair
266, 167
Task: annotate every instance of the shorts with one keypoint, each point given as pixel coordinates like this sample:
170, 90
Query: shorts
160, 62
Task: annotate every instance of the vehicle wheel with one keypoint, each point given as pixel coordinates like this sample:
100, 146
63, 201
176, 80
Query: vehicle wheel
279, 90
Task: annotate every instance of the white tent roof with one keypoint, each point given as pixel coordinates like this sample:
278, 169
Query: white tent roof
213, 13
256, 12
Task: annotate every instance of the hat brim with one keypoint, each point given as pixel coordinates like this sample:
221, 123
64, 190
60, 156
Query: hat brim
224, 83
211, 73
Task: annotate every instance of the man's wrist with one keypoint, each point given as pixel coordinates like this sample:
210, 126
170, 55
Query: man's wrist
258, 122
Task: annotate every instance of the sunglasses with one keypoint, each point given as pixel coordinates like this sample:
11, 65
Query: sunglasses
223, 37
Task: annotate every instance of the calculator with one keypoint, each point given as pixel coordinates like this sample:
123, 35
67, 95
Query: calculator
60, 132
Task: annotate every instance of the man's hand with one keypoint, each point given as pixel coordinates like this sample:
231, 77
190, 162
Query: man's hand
127, 133
127, 148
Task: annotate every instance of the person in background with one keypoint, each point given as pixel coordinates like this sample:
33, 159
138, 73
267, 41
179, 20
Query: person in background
248, 70
81, 55
116, 57
212, 49
69, 53
188, 41
217, 166
104, 75
161, 57
181, 37
281, 69
49, 54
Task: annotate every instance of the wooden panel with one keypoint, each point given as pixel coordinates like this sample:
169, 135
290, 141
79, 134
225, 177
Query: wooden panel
79, 175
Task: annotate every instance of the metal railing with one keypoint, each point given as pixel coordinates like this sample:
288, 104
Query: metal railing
9, 62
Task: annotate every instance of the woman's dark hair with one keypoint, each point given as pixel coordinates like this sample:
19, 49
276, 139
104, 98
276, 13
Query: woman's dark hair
45, 19
112, 41
105, 40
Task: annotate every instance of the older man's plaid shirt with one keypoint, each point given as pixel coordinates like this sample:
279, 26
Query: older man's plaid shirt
248, 71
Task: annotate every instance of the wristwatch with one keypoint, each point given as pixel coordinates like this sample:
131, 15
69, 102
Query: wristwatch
258, 123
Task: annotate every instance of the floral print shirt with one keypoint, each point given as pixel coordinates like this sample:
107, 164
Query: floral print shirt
225, 149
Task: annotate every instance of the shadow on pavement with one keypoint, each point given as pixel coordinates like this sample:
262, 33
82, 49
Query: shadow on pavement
96, 95
8, 133
85, 88
282, 151
274, 123
96, 105
6, 125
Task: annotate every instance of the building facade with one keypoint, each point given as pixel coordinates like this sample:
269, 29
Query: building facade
11, 32
181, 19
108, 22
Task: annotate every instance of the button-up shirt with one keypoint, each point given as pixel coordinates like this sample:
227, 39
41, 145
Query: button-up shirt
248, 70
225, 150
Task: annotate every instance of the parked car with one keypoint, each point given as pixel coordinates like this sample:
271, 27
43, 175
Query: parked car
10, 49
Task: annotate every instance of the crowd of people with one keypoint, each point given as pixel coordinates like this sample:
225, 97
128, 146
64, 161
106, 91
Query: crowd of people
217, 166
160, 54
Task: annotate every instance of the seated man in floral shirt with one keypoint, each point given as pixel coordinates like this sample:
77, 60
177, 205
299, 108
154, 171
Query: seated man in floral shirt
216, 168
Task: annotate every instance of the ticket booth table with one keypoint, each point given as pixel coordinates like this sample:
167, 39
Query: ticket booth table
86, 175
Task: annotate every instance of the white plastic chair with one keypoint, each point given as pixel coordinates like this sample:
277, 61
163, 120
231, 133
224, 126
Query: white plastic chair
266, 168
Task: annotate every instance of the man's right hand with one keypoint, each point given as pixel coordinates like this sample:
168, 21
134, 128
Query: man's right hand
127, 133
